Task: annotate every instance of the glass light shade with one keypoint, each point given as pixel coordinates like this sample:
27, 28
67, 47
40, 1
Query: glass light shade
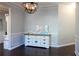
30, 7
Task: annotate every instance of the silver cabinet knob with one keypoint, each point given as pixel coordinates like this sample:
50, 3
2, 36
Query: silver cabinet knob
28, 41
36, 41
44, 43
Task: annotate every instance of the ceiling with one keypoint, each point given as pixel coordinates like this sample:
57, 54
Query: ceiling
40, 4
48, 4
3, 9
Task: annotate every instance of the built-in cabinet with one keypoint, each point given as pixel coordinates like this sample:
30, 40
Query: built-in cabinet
38, 40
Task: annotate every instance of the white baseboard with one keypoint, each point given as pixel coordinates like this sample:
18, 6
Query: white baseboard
63, 45
76, 53
53, 45
15, 40
66, 44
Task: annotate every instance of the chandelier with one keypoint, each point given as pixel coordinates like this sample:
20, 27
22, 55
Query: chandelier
30, 7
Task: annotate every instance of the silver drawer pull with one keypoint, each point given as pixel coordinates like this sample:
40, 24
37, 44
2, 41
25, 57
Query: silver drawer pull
44, 39
36, 41
28, 38
44, 43
28, 41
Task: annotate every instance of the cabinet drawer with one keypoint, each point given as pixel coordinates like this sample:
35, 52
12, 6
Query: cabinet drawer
39, 41
44, 44
26, 36
28, 42
36, 42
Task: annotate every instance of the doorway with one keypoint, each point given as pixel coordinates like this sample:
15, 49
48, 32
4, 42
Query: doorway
3, 23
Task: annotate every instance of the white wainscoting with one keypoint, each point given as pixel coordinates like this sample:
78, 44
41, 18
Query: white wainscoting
55, 40
13, 41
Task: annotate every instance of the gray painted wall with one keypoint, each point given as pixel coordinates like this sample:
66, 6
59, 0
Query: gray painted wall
77, 30
15, 27
61, 23
17, 20
77, 19
66, 24
43, 16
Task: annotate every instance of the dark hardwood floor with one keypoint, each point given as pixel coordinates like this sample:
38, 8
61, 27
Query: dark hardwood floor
36, 51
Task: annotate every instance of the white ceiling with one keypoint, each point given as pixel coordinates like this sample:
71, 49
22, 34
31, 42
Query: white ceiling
40, 4
46, 4
3, 9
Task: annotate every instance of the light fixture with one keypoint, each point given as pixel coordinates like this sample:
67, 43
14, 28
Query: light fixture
30, 7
